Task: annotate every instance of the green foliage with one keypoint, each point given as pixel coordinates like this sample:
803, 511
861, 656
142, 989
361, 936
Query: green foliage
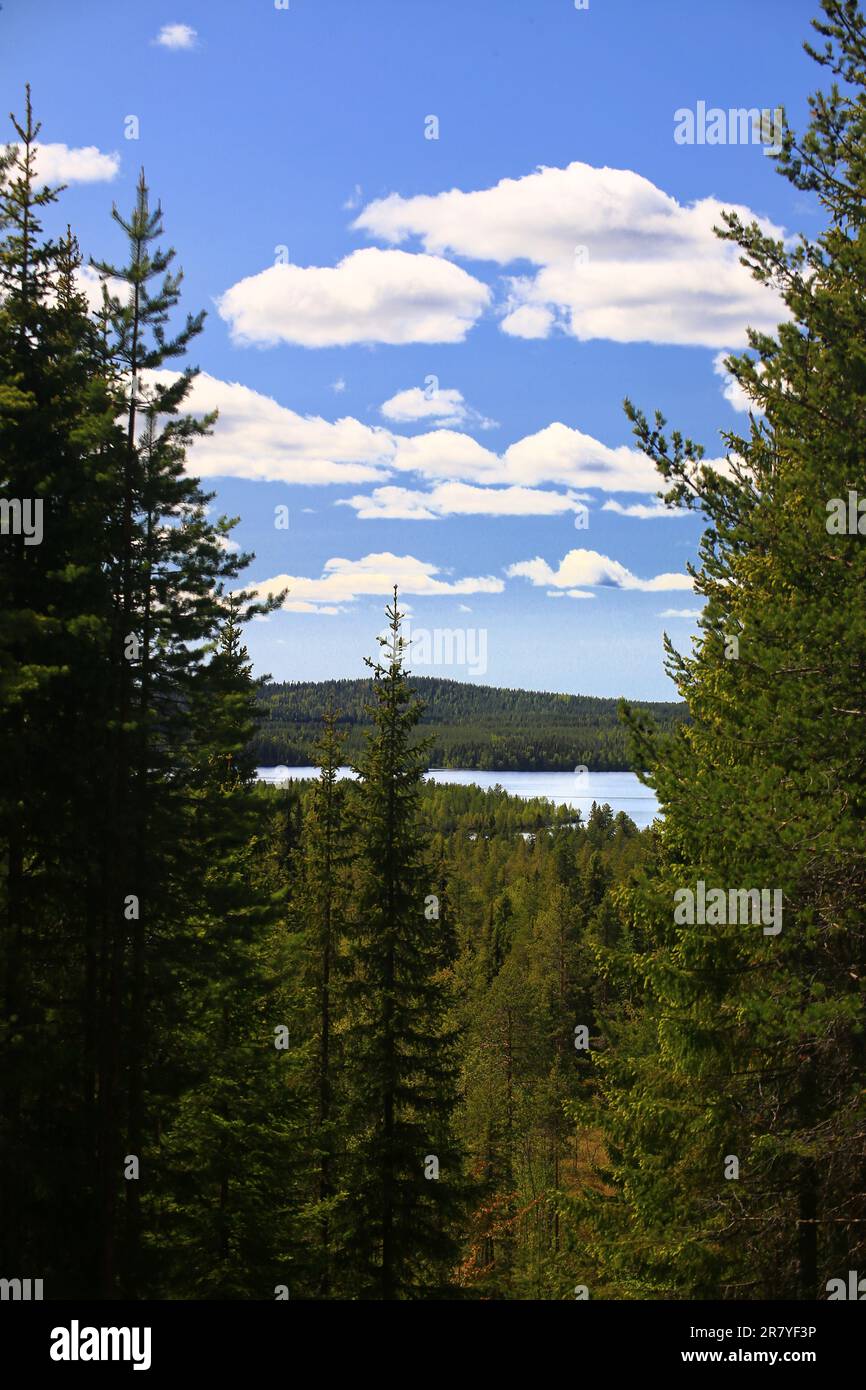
727, 1040
399, 1236
285, 1003
117, 716
525, 910
472, 726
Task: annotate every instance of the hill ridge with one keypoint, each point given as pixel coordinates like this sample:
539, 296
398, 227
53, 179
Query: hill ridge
475, 726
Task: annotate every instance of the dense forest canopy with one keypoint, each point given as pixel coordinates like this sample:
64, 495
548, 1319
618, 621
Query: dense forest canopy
473, 726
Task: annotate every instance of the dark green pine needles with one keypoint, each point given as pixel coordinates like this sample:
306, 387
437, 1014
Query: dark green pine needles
403, 1175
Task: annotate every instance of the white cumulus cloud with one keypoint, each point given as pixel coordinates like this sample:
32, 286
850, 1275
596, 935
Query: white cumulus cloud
447, 453
257, 438
459, 499
559, 454
581, 568
371, 296
528, 320
444, 406
556, 454
176, 36
616, 257
642, 511
343, 580
58, 163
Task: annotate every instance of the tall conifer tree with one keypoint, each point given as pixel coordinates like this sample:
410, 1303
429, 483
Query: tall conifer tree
403, 1168
58, 441
742, 1039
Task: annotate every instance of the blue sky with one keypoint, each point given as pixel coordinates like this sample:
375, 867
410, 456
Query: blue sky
497, 290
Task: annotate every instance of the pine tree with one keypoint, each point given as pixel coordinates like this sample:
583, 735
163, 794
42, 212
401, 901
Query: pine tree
218, 1206
112, 719
736, 1040
169, 567
57, 443
403, 1166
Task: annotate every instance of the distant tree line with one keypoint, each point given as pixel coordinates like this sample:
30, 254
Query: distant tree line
472, 726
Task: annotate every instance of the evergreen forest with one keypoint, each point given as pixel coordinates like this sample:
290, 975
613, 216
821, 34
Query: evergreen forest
375, 1039
473, 726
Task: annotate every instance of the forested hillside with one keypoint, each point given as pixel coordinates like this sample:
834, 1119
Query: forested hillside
473, 726
520, 901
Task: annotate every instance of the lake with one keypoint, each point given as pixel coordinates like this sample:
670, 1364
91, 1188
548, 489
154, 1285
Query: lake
622, 791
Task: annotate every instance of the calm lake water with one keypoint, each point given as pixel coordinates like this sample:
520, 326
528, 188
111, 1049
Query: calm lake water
622, 791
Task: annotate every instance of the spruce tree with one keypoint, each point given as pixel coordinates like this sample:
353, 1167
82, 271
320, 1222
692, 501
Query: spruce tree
218, 1208
112, 721
169, 568
403, 1166
735, 1041
58, 441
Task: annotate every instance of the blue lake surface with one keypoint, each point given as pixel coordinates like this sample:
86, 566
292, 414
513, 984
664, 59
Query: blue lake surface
622, 791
